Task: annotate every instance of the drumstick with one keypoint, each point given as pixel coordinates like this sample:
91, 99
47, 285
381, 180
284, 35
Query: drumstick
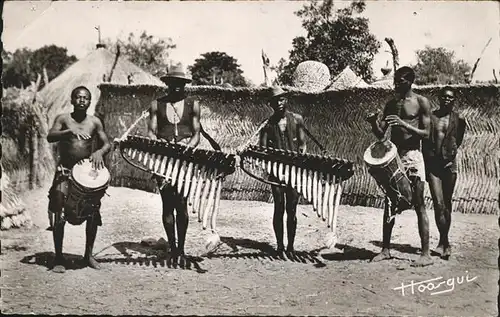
287, 174
320, 196
315, 193
163, 165
331, 198
298, 177
280, 171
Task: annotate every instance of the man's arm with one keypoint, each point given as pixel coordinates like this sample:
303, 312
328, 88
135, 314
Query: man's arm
153, 123
379, 126
195, 124
56, 134
106, 146
460, 130
425, 120
301, 136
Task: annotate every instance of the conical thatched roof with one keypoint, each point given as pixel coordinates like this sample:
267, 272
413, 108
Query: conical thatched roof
347, 79
385, 82
89, 72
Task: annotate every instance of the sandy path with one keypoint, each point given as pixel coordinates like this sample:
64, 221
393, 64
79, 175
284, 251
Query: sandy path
242, 277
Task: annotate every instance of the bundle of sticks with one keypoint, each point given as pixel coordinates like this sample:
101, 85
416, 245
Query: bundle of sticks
317, 178
197, 174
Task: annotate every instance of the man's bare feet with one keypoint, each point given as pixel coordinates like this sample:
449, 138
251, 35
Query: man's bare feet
446, 253
423, 260
385, 254
92, 263
439, 249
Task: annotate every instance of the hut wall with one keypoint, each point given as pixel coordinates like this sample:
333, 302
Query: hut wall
336, 118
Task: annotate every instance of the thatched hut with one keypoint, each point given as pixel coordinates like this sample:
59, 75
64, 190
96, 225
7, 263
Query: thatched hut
347, 79
97, 67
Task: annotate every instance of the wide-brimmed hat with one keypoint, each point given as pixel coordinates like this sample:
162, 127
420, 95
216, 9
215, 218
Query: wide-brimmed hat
278, 92
176, 72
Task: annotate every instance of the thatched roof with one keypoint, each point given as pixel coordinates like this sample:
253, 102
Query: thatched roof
385, 82
347, 79
89, 72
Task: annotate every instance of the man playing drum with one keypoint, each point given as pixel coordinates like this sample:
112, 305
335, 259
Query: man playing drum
284, 130
175, 118
76, 133
440, 151
408, 115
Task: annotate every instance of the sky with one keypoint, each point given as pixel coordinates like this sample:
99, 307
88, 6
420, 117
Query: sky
243, 28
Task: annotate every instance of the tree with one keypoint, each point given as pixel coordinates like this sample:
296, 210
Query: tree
215, 68
146, 51
23, 66
438, 66
335, 37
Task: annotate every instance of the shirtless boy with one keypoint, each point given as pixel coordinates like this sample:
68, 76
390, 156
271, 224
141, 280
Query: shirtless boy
440, 151
409, 116
76, 133
284, 131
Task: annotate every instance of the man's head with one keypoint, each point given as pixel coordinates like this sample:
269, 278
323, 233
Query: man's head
279, 100
403, 79
447, 98
80, 98
176, 79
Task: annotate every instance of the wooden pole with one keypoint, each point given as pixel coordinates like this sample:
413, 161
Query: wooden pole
394, 52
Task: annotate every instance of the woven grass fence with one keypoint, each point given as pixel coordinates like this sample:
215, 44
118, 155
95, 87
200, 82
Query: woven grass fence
336, 118
27, 159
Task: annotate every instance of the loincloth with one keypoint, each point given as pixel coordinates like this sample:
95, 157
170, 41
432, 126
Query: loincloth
439, 167
79, 211
413, 162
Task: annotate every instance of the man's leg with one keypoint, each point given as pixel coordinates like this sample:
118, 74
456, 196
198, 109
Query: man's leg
279, 211
449, 181
91, 233
387, 233
423, 222
56, 205
436, 189
292, 199
182, 224
168, 218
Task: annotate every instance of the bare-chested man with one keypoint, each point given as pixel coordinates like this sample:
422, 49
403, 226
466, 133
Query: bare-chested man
409, 116
76, 133
284, 130
175, 118
440, 151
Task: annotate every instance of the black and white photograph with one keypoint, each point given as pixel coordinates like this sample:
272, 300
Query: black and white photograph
250, 158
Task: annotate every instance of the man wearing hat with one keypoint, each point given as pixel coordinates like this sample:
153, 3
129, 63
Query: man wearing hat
175, 118
284, 131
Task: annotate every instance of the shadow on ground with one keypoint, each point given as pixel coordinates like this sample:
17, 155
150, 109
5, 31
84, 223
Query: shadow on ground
264, 251
46, 259
152, 255
349, 254
403, 248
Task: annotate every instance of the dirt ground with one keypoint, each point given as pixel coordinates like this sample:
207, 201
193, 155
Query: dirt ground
242, 277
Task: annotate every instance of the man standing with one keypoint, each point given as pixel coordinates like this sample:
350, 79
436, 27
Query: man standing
440, 152
75, 133
408, 115
175, 118
284, 131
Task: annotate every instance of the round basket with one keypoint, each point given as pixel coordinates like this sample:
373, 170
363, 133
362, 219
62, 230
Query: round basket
311, 76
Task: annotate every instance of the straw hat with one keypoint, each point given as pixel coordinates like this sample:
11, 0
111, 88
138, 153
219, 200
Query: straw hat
176, 72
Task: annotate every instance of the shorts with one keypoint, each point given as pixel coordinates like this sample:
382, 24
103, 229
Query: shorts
413, 162
439, 167
91, 207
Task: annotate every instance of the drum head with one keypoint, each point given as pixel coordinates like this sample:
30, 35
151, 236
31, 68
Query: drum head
88, 177
374, 160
